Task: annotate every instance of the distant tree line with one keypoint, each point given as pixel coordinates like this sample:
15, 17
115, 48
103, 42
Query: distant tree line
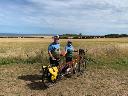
80, 36
116, 35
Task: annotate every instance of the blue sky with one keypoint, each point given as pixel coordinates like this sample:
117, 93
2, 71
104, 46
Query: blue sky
95, 17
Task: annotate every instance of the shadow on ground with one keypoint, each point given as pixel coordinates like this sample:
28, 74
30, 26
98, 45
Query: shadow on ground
31, 78
37, 86
35, 82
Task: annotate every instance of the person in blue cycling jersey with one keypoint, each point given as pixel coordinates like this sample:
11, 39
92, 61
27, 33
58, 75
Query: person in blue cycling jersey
54, 51
69, 49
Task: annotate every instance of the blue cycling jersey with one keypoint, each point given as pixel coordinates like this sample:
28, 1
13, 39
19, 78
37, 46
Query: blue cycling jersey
69, 50
54, 48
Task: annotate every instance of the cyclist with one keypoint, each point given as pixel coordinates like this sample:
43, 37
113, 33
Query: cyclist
54, 51
69, 49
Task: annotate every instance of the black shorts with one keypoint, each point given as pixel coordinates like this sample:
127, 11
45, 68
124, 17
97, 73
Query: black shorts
68, 59
54, 63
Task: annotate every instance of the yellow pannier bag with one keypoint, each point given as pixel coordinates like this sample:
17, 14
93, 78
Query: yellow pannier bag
54, 73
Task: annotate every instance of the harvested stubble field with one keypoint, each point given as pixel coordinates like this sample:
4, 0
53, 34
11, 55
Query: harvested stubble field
106, 73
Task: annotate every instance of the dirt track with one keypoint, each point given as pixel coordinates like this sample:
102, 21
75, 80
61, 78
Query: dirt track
25, 80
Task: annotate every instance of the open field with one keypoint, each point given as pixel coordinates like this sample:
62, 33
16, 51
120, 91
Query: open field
106, 74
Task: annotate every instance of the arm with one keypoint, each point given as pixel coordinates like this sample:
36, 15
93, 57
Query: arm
49, 52
75, 50
65, 50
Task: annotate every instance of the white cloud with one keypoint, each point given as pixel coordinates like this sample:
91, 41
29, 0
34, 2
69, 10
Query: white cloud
73, 15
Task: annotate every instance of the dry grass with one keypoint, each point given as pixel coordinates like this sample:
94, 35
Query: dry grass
106, 73
25, 80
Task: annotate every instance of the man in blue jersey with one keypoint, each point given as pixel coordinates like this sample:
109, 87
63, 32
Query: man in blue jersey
54, 52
